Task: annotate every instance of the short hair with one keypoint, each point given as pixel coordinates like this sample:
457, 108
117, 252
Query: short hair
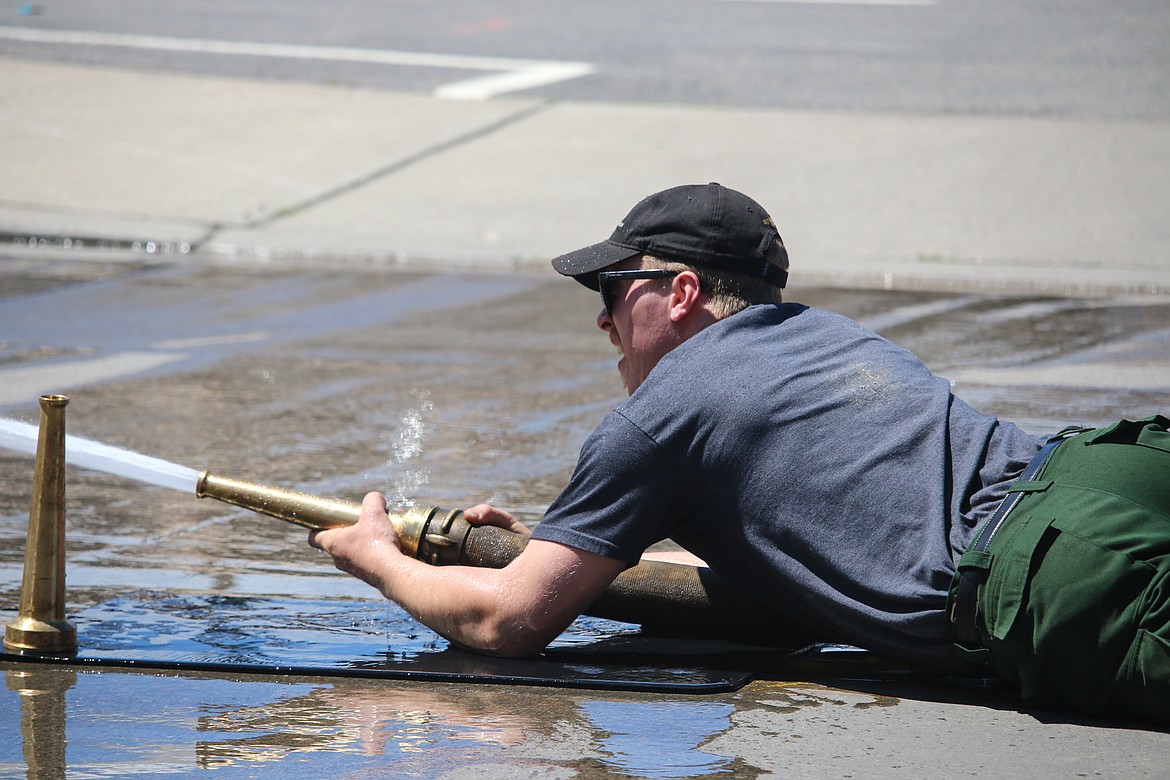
728, 293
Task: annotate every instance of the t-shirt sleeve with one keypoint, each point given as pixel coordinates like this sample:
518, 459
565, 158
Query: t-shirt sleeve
623, 495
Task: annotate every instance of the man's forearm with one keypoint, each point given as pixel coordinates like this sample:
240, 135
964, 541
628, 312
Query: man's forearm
513, 611
468, 607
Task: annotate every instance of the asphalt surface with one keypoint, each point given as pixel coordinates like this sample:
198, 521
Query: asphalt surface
1063, 59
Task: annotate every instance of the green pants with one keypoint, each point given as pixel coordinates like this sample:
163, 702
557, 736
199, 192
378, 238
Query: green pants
1076, 606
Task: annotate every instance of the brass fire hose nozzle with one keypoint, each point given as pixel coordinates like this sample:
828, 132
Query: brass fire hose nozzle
430, 534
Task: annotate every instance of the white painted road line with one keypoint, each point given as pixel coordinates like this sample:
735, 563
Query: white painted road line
513, 74
535, 75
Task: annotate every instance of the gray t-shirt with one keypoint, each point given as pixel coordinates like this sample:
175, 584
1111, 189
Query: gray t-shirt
808, 461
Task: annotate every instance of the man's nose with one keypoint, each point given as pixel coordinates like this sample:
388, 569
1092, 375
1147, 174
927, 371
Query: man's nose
604, 321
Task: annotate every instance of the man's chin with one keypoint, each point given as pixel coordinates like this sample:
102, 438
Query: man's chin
621, 367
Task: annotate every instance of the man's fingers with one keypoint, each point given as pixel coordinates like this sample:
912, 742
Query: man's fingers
373, 509
486, 514
477, 514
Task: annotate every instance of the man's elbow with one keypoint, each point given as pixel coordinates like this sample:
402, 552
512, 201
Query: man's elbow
506, 639
516, 643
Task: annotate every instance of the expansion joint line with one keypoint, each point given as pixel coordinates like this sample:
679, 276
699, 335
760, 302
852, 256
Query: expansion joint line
390, 169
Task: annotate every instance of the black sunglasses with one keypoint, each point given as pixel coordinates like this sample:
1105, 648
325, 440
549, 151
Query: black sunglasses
605, 278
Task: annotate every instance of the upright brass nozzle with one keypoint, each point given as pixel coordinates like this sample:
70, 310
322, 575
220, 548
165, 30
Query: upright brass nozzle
40, 627
42, 716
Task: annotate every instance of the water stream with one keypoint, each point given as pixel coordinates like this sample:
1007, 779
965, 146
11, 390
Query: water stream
88, 454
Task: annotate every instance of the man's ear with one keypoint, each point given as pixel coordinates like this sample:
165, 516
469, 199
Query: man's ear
685, 292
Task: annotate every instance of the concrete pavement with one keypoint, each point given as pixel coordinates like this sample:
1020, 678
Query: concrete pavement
448, 390
243, 170
267, 172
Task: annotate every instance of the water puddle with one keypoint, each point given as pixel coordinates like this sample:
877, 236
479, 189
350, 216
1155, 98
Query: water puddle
124, 724
377, 639
639, 742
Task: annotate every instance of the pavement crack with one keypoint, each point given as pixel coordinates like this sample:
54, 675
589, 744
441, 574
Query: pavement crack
398, 165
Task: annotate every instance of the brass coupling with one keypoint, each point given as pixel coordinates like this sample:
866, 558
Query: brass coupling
432, 535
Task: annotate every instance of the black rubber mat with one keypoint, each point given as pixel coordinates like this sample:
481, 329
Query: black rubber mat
377, 639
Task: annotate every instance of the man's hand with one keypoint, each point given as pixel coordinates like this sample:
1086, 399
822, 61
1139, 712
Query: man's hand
365, 549
514, 611
486, 514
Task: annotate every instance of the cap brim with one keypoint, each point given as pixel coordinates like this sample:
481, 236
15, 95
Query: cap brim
584, 264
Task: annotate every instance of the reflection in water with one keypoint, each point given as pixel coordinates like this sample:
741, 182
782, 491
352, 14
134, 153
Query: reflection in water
660, 739
429, 731
398, 725
128, 723
42, 721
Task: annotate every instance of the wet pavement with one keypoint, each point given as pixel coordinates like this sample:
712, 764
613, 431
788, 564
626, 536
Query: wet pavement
449, 390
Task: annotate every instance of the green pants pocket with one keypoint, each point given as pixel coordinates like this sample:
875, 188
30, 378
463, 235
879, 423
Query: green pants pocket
1145, 681
1062, 625
1007, 583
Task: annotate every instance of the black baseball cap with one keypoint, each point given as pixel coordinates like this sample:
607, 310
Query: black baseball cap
704, 225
